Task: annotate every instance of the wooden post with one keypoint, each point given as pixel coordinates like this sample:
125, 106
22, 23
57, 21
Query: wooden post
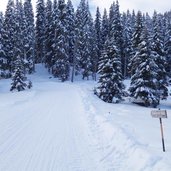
160, 114
162, 135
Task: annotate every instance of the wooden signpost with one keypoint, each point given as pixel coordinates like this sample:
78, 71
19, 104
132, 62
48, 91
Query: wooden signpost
160, 114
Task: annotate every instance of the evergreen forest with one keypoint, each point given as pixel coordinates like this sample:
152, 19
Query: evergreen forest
108, 48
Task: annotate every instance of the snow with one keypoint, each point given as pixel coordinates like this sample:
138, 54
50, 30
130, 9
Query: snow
64, 126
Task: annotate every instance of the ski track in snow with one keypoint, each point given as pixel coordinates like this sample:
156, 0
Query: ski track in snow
63, 127
48, 132
120, 149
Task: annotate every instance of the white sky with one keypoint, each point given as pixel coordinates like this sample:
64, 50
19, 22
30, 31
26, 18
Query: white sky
143, 5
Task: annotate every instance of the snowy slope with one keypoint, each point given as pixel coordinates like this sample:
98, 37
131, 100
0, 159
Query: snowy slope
63, 127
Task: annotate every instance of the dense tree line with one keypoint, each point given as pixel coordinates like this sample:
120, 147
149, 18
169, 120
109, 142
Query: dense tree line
115, 45
17, 44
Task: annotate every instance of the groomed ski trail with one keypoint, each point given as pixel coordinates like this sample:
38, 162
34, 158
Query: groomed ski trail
48, 131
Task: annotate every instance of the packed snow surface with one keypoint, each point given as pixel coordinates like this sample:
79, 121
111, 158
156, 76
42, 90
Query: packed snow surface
64, 127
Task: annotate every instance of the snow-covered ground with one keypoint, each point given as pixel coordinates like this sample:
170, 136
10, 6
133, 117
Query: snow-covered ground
63, 127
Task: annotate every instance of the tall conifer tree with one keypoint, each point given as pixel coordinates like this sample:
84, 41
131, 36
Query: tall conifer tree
167, 48
40, 32
71, 37
18, 65
127, 36
136, 39
104, 28
3, 60
98, 32
29, 37
84, 32
70, 28
49, 35
117, 33
8, 35
158, 52
110, 88
61, 66
144, 89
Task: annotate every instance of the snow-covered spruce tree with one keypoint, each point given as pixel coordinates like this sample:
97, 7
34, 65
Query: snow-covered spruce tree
20, 19
40, 32
3, 60
8, 35
84, 37
136, 41
117, 33
110, 19
162, 25
48, 35
167, 47
133, 21
104, 28
144, 89
160, 60
94, 51
53, 37
79, 30
70, 28
149, 24
18, 77
61, 62
110, 86
29, 37
90, 56
98, 32
127, 36
96, 43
